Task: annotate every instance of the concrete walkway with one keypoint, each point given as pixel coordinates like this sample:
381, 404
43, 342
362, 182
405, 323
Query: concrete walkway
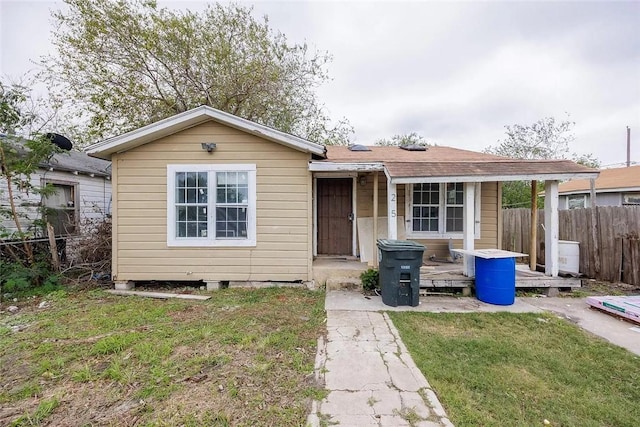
371, 378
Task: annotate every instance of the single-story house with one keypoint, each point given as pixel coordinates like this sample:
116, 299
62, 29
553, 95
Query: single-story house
613, 187
83, 192
205, 195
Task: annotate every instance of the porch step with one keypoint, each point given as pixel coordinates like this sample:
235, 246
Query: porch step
343, 283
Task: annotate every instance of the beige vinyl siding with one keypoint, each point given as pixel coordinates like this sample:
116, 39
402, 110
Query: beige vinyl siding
282, 224
438, 247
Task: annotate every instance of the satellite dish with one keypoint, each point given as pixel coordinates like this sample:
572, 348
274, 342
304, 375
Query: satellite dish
61, 141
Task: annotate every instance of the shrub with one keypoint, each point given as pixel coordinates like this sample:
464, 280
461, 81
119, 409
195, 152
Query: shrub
18, 279
369, 279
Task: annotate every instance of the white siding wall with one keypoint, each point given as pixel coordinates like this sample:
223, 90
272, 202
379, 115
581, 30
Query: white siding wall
94, 196
608, 199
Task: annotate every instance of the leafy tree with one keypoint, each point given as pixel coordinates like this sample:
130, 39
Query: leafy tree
124, 64
19, 159
544, 139
402, 140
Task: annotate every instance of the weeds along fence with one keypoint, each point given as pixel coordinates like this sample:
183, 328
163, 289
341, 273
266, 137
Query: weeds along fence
609, 239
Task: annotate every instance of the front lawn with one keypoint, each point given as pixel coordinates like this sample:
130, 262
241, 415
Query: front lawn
245, 357
504, 369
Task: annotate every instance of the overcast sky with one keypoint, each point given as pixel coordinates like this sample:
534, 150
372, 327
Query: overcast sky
455, 72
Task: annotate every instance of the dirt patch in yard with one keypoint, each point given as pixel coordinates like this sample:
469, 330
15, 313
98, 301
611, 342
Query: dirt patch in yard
597, 287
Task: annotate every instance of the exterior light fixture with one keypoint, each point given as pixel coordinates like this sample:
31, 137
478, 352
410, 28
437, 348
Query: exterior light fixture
363, 180
209, 146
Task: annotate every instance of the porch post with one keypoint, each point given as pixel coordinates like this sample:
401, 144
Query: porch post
392, 210
551, 233
375, 220
468, 229
533, 230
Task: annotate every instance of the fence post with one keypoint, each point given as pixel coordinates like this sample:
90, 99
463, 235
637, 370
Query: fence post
55, 260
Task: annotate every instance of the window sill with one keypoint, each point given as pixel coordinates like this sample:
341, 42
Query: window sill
211, 243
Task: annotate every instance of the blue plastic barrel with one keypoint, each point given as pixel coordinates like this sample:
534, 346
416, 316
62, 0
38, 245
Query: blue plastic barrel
496, 280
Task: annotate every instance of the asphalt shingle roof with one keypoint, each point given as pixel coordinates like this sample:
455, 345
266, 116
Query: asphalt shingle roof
447, 161
609, 179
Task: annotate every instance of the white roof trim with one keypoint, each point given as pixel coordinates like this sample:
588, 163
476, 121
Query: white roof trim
345, 167
491, 178
173, 124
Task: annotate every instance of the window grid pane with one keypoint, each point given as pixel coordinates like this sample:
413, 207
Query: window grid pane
455, 219
191, 204
232, 203
426, 207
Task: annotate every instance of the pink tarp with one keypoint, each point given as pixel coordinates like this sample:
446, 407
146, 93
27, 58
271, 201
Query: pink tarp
627, 307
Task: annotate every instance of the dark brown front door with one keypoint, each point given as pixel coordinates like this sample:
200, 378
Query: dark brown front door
335, 230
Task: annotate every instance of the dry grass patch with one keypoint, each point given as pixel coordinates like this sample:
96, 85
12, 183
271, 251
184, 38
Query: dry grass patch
245, 357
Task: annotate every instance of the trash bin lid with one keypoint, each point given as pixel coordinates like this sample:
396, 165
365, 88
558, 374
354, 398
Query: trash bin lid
399, 245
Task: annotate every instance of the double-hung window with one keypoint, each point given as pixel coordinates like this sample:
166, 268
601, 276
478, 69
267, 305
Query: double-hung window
211, 205
436, 210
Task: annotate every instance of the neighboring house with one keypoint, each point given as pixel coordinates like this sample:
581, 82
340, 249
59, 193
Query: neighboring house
205, 195
613, 187
83, 192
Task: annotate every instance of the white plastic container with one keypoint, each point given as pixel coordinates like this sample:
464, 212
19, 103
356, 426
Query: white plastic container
569, 256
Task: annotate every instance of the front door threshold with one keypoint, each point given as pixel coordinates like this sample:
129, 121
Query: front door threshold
337, 257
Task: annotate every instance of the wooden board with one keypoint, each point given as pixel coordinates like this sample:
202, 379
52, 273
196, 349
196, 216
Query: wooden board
365, 235
160, 295
489, 253
627, 307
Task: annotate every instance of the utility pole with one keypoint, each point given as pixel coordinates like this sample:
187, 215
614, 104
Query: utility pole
628, 146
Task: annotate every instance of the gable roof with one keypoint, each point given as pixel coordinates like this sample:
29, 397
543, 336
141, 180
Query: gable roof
404, 166
135, 138
609, 180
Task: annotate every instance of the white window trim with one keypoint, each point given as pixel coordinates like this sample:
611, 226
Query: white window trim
441, 217
211, 240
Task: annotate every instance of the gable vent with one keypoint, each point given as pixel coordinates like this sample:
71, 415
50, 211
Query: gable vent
414, 147
359, 147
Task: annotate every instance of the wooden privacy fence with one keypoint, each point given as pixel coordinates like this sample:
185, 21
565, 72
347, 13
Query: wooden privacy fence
609, 239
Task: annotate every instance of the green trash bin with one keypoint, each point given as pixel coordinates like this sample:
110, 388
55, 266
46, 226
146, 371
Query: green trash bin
399, 271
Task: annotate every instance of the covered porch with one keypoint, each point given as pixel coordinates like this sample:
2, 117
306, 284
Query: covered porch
440, 197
